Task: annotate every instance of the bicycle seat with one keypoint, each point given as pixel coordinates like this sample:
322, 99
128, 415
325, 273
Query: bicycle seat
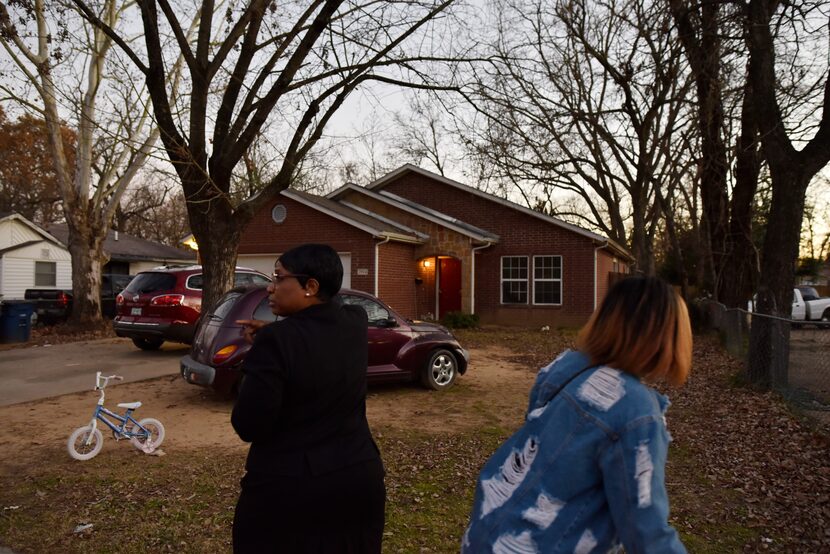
130, 405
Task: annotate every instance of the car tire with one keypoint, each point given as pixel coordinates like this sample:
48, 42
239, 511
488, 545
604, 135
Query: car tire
148, 344
440, 371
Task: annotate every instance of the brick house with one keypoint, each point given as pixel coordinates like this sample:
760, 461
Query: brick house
428, 245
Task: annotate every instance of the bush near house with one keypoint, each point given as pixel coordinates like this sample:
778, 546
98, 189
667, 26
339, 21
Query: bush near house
460, 320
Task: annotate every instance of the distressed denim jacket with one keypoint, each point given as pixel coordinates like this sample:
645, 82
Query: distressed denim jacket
585, 473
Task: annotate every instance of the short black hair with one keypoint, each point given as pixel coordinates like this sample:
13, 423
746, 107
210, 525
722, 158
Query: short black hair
318, 261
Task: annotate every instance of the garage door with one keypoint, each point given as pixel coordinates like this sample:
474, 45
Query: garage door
265, 264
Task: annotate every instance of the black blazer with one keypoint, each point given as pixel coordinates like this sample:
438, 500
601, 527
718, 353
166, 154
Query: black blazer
302, 402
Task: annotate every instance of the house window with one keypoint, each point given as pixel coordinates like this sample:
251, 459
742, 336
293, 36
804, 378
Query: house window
547, 279
46, 274
514, 280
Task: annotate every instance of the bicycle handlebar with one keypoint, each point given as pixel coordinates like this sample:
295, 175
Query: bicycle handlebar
100, 378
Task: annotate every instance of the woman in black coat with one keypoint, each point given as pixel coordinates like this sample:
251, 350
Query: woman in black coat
314, 480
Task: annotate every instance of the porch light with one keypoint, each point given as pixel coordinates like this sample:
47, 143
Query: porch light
427, 263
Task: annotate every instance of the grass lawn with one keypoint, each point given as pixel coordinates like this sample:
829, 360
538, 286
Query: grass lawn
744, 474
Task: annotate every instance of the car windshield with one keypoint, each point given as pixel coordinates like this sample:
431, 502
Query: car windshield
374, 311
151, 282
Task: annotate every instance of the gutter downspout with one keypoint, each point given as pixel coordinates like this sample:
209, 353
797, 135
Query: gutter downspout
598, 248
473, 275
377, 262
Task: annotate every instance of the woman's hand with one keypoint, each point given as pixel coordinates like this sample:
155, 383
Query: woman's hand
251, 327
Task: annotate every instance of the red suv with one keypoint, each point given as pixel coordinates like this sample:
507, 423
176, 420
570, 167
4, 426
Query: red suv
164, 304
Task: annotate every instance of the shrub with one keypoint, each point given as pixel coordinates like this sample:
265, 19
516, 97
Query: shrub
460, 320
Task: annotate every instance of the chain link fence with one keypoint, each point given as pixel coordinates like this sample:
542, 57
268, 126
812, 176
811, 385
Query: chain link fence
801, 368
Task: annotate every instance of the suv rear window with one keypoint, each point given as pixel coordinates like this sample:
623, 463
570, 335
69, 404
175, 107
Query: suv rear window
151, 282
195, 282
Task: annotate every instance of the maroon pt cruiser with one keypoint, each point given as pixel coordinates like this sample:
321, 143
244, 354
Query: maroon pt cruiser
399, 349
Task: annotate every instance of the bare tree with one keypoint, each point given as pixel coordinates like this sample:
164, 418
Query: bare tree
711, 35
114, 133
286, 62
422, 134
795, 149
154, 210
586, 98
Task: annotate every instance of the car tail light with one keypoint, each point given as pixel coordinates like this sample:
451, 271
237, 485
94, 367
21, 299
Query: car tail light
119, 299
63, 299
167, 300
224, 354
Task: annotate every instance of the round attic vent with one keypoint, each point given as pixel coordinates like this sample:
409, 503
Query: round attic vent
278, 213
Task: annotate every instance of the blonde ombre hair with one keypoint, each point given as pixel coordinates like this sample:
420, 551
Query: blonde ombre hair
642, 327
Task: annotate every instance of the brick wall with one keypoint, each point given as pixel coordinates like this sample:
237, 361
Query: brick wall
442, 242
396, 280
520, 235
304, 224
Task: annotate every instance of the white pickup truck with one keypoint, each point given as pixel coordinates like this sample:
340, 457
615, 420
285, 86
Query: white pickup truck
807, 305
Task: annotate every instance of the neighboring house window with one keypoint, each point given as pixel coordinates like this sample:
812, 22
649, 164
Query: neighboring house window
547, 279
514, 280
46, 274
616, 267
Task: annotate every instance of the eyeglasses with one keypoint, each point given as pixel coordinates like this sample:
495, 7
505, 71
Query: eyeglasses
279, 278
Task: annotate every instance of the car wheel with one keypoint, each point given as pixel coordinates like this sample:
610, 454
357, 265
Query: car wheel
441, 370
148, 344
825, 319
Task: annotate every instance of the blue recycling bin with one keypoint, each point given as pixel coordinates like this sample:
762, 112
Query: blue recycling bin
15, 320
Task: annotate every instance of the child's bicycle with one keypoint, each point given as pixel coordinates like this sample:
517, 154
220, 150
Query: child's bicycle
86, 442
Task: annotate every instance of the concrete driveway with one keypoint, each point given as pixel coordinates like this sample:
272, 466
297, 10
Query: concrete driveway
44, 371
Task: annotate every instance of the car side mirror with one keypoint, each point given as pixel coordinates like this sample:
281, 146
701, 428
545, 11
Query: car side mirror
387, 322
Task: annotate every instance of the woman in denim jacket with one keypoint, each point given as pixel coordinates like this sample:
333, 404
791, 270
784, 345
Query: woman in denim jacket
586, 472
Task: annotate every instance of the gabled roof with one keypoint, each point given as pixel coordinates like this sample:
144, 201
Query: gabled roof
418, 210
124, 247
18, 246
39, 230
370, 223
380, 183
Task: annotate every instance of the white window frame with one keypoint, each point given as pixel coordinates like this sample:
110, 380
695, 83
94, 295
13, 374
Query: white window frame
53, 273
561, 274
502, 280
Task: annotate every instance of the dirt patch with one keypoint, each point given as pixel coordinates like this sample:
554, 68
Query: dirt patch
492, 394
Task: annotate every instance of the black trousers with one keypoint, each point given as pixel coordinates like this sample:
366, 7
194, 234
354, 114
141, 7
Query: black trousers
338, 512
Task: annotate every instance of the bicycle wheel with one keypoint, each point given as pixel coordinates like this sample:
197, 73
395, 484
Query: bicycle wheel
148, 443
81, 446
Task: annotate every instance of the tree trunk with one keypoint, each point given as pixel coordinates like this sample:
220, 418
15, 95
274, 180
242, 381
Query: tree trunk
740, 281
791, 171
769, 339
702, 44
87, 251
217, 231
641, 245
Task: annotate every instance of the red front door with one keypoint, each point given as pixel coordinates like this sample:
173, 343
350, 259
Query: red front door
449, 286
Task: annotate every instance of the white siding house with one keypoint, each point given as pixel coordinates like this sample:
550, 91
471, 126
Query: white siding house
30, 257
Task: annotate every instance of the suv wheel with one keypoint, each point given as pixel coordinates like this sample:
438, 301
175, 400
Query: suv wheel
441, 370
148, 344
